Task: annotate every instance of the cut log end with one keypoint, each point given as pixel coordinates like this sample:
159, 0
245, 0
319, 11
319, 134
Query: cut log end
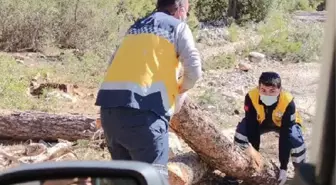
177, 175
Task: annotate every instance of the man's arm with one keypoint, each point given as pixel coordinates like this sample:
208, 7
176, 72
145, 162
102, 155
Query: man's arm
252, 127
189, 57
288, 120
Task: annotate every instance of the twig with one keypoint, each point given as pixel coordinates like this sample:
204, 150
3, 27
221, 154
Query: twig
12, 158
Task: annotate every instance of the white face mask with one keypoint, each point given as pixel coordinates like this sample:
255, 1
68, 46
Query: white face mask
268, 100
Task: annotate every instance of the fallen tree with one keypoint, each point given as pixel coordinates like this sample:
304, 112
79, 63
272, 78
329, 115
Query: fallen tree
185, 166
186, 169
196, 128
46, 126
190, 123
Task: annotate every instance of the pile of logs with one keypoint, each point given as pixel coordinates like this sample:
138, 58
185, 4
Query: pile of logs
197, 145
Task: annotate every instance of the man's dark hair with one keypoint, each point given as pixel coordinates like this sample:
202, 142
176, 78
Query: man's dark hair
270, 79
170, 5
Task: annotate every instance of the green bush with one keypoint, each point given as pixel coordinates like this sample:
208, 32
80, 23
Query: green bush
290, 40
311, 38
211, 10
192, 19
251, 10
224, 61
290, 6
84, 24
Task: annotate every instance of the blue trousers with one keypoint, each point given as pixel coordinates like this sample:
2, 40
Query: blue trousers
139, 135
246, 133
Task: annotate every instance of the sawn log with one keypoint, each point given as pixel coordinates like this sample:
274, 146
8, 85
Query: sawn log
185, 167
196, 128
46, 126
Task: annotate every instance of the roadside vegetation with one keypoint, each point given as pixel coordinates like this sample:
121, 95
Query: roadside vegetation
74, 39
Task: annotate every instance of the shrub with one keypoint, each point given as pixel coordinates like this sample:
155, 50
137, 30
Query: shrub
291, 40
251, 10
211, 10
85, 24
223, 61
290, 6
244, 11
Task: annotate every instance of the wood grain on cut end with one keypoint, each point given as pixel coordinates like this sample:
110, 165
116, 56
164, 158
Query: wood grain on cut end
177, 174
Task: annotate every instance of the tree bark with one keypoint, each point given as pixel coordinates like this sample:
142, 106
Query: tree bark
203, 136
40, 125
185, 166
45, 126
186, 169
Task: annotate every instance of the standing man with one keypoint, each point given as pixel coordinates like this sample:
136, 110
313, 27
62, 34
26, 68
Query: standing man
138, 95
269, 108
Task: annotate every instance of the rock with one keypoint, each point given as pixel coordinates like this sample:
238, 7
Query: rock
36, 77
91, 95
211, 108
256, 57
240, 91
20, 61
61, 95
211, 83
244, 66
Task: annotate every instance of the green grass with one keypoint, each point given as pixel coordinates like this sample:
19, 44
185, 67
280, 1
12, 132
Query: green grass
290, 40
86, 71
14, 84
223, 61
234, 32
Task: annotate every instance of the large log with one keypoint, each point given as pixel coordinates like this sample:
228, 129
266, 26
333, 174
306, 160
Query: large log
186, 169
196, 128
185, 166
41, 125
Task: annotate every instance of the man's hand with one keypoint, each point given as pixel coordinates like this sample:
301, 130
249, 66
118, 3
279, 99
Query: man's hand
282, 177
181, 91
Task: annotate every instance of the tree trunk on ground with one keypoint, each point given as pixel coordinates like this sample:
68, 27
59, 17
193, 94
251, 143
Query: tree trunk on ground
203, 136
184, 167
40, 125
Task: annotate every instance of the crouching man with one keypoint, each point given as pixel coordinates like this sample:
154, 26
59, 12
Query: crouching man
269, 108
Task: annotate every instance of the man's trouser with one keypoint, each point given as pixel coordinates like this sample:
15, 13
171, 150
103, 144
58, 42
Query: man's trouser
139, 135
246, 133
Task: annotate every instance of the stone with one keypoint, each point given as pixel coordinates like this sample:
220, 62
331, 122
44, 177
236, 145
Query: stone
244, 66
256, 56
20, 61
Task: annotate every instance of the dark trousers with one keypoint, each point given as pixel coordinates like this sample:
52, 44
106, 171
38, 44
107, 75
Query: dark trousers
139, 135
247, 133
